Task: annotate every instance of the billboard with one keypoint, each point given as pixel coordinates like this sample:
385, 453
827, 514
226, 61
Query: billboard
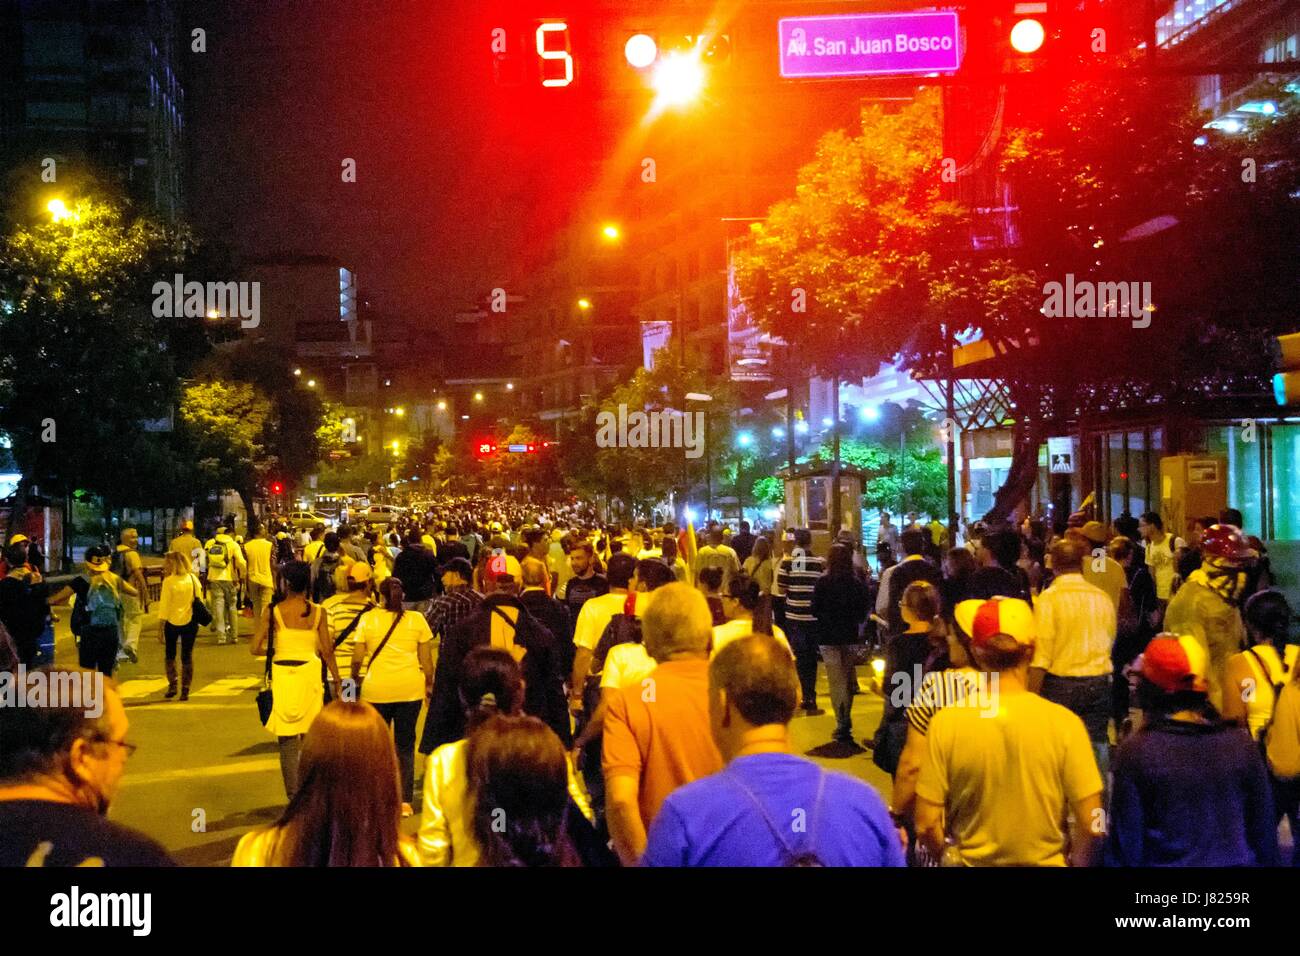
749, 348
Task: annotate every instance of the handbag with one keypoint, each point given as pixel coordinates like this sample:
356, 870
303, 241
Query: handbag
265, 698
199, 612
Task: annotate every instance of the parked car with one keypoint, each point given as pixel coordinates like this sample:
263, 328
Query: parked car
378, 514
309, 519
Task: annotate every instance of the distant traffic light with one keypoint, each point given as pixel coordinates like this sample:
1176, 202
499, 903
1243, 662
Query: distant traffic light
1286, 383
1027, 36
277, 488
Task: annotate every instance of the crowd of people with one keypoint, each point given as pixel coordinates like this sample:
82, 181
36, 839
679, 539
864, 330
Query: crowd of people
598, 695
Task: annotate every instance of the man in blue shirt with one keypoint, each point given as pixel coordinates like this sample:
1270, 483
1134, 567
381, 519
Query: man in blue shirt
767, 807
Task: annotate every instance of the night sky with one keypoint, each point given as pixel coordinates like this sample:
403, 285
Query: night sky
455, 175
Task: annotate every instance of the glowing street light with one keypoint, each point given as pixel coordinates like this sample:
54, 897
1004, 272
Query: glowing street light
297, 371
213, 314
311, 383
399, 411
1027, 36
870, 413
678, 81
510, 386
611, 232
59, 211
744, 439
442, 406
584, 304
478, 396
641, 50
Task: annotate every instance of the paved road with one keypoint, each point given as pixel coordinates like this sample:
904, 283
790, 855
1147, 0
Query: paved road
207, 772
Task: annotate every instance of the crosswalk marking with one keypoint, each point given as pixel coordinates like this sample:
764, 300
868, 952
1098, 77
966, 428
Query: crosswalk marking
228, 687
141, 687
262, 765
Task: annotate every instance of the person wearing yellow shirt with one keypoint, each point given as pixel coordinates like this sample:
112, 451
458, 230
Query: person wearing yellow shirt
312, 549
176, 624
261, 583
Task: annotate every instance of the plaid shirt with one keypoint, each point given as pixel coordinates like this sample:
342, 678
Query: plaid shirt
452, 608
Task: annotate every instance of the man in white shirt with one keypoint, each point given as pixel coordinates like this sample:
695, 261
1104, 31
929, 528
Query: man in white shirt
1161, 553
1076, 624
595, 615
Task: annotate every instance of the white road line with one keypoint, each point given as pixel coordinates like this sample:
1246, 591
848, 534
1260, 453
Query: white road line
228, 687
263, 765
141, 687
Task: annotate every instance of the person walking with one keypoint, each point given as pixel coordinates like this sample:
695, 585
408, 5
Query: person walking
346, 811
226, 567
260, 581
393, 648
795, 578
1189, 789
176, 624
127, 565
840, 603
909, 656
491, 684
102, 597
294, 633
759, 566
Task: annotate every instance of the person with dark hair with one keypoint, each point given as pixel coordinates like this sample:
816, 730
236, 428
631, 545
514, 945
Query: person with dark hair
1161, 554
959, 567
1003, 788
909, 656
346, 811
1232, 516
60, 768
294, 633
457, 601
1189, 789
717, 554
749, 611
416, 567
674, 560
894, 581
741, 816
394, 648
1137, 624
597, 611
1253, 678
1000, 574
501, 621
25, 600
518, 786
586, 582
742, 542
709, 580
491, 684
796, 578
840, 603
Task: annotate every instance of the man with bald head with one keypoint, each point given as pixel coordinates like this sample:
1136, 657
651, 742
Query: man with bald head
553, 614
61, 764
657, 729
768, 807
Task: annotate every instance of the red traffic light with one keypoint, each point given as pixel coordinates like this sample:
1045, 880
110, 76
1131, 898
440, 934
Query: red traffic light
1027, 36
277, 488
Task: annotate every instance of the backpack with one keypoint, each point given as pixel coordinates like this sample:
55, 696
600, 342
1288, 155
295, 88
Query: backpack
789, 857
325, 586
103, 606
218, 555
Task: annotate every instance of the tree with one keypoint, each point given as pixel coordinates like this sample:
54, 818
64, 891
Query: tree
85, 359
226, 425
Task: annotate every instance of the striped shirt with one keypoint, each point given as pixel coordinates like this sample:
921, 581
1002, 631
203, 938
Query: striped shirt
797, 585
339, 613
940, 689
1076, 624
451, 608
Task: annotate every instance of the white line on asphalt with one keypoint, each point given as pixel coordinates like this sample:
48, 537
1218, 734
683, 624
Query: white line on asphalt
228, 686
141, 687
222, 770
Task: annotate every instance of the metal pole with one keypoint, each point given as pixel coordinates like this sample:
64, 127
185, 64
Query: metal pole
950, 430
837, 516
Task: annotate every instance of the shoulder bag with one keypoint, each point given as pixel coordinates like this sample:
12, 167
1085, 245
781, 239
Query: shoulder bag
370, 661
199, 612
264, 696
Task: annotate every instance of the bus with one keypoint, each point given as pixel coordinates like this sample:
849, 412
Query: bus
335, 504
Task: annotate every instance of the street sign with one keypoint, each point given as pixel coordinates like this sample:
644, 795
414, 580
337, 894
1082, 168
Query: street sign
1060, 455
869, 44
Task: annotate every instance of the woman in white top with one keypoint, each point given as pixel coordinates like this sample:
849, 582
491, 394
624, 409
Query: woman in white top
491, 684
394, 648
347, 809
297, 633
748, 610
176, 620
1265, 664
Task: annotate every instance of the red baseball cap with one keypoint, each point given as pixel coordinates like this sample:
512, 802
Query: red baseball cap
1174, 663
984, 620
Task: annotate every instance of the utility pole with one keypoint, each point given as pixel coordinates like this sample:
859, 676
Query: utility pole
950, 435
837, 517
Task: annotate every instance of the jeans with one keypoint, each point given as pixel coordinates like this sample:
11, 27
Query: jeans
842, 676
132, 620
402, 717
260, 595
98, 649
804, 643
225, 612
185, 635
1090, 698
290, 751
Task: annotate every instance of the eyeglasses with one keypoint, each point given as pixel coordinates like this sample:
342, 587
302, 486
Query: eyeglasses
129, 747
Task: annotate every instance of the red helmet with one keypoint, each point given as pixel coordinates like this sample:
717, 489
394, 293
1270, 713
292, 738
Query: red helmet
1226, 543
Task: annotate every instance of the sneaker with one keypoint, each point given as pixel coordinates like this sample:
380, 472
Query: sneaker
130, 654
812, 710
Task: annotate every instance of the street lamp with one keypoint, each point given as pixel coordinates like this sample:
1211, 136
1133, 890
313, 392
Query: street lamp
584, 304
478, 396
611, 232
510, 386
59, 211
311, 383
297, 371
399, 411
442, 406
678, 81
